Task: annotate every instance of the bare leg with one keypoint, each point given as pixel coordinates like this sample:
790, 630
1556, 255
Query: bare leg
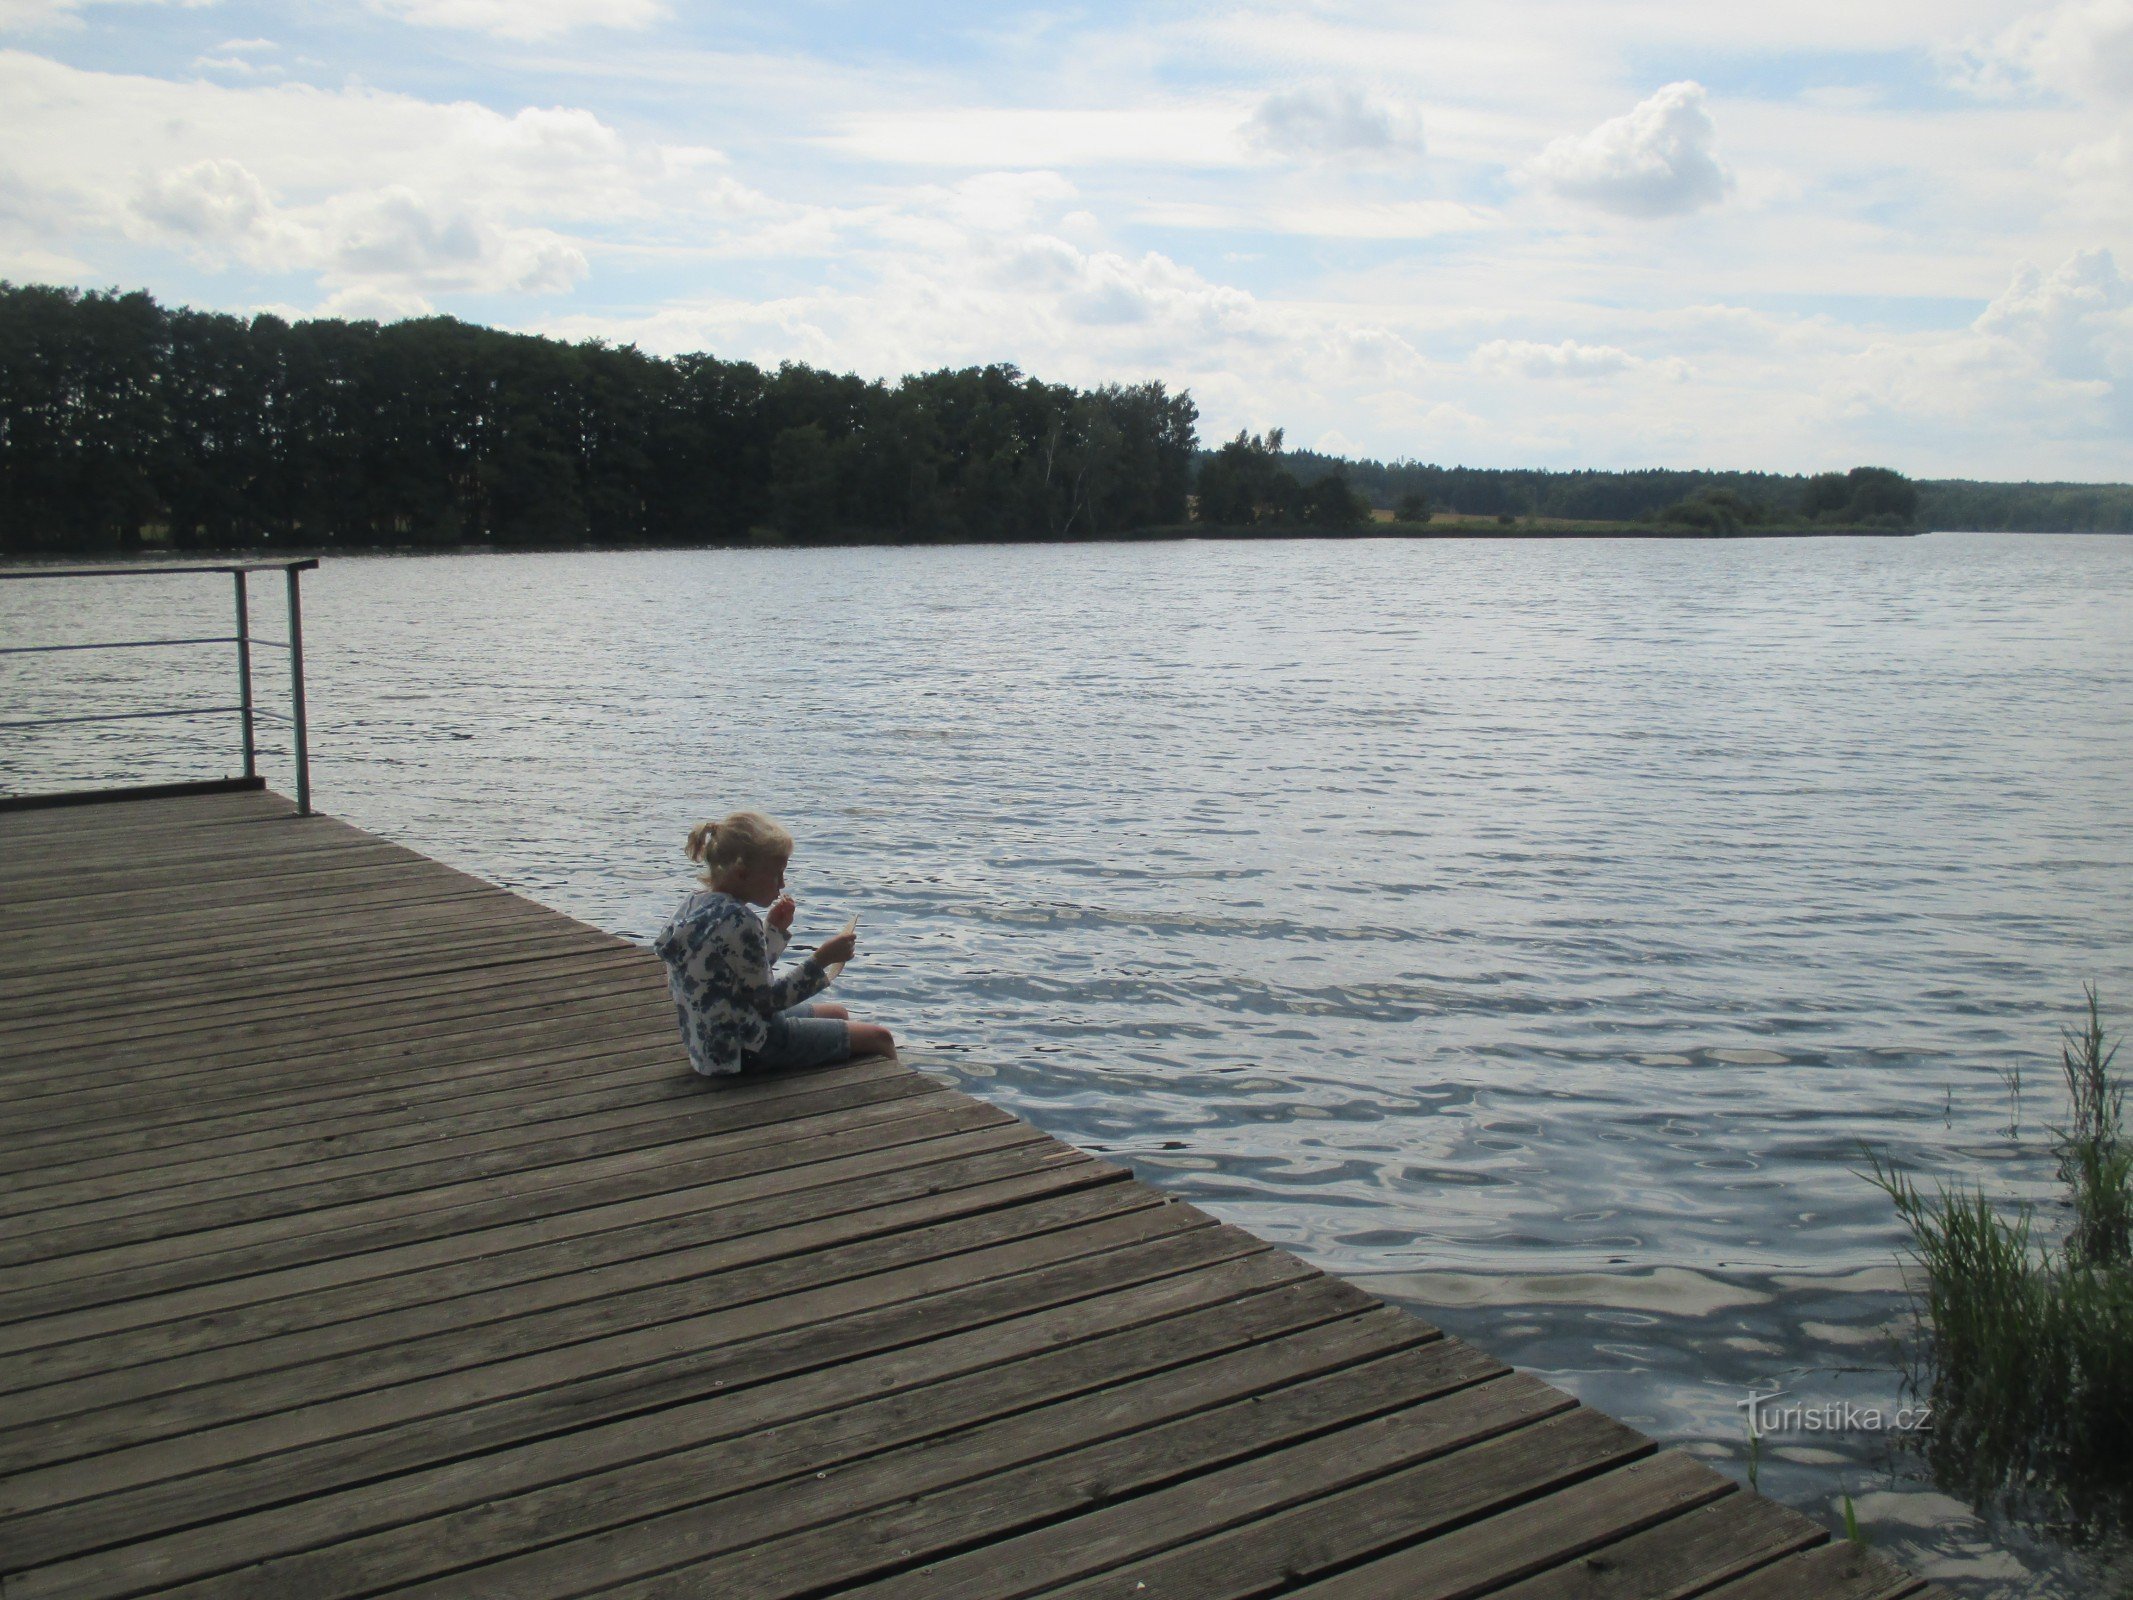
830, 1009
871, 1039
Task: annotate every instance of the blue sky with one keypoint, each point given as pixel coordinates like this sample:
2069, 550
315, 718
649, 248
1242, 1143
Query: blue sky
1603, 233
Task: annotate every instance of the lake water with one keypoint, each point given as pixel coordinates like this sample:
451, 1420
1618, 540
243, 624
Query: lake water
1536, 932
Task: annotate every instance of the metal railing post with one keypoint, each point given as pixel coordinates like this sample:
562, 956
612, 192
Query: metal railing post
244, 675
296, 694
248, 709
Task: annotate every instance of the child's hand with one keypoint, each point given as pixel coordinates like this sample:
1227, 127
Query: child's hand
837, 947
781, 912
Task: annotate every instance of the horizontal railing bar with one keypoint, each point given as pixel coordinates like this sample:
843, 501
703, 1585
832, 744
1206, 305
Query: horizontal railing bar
123, 716
111, 644
278, 644
307, 564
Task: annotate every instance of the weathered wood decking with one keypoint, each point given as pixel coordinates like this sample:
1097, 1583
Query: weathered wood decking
365, 1232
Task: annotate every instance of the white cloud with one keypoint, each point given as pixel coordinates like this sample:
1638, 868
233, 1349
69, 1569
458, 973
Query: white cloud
2100, 180
524, 19
908, 300
1522, 358
997, 202
394, 235
212, 201
2045, 373
1657, 161
1331, 218
238, 66
1180, 136
1332, 122
368, 191
2076, 323
381, 242
2083, 49
369, 303
30, 16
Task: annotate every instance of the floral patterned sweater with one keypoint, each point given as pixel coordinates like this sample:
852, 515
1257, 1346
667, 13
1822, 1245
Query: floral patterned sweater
718, 954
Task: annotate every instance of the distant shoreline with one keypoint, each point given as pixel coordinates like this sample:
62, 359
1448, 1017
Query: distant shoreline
1176, 533
1542, 528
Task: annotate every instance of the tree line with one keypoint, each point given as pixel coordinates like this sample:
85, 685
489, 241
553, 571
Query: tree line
123, 422
1861, 496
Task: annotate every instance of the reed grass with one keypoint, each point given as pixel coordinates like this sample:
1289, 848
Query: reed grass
2025, 1347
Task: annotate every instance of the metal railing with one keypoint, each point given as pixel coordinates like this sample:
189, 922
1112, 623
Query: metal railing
246, 710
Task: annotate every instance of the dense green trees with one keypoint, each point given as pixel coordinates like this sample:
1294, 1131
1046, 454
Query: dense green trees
1246, 485
1717, 511
1646, 496
2026, 507
1864, 496
122, 421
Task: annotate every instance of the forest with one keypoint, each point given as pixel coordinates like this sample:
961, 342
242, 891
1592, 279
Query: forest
1646, 496
125, 425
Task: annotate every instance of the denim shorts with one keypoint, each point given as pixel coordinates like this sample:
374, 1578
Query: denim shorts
799, 1038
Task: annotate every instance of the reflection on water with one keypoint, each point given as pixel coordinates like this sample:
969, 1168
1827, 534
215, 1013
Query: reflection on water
1532, 931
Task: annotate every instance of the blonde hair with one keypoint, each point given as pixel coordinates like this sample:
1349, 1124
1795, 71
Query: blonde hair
742, 840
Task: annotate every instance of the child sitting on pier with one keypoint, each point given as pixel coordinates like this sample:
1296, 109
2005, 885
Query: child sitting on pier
735, 1016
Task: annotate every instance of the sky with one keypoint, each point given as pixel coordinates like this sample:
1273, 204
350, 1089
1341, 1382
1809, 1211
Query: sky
1792, 236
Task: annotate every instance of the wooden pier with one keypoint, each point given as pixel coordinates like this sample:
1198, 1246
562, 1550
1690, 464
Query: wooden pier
365, 1232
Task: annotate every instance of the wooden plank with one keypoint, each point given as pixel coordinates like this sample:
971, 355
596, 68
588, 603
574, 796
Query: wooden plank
644, 1098
1528, 1521
279, 1012
176, 942
503, 1000
314, 888
1483, 1556
267, 1079
1837, 1571
908, 1184
276, 1459
230, 976
1680, 1557
154, 1156
49, 876
169, 951
854, 1114
1254, 1296
591, 1532
1089, 1508
96, 862
139, 1220
400, 1087
495, 997
387, 1330
747, 1202
87, 940
149, 818
20, 1172
533, 1322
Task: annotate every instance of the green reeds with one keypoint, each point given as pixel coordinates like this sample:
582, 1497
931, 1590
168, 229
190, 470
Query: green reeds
2026, 1347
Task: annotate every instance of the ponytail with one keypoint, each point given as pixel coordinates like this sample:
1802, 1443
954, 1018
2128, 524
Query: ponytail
742, 839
